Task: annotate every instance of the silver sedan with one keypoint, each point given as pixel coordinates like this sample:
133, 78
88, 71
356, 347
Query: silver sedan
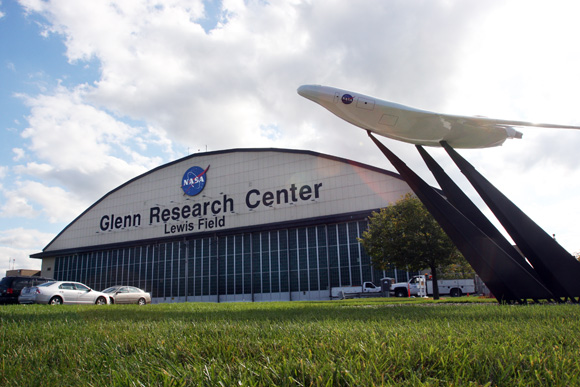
62, 292
127, 295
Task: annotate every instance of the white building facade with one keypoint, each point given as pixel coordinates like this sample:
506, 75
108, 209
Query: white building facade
233, 225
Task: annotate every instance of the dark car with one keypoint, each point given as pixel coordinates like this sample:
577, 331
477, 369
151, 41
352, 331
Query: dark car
10, 287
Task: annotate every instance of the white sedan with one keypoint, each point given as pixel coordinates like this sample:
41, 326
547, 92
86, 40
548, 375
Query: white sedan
62, 292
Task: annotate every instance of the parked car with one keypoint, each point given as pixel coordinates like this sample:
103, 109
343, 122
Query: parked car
127, 295
62, 292
10, 287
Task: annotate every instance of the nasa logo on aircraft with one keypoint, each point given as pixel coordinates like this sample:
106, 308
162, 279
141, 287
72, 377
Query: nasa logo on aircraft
194, 180
347, 99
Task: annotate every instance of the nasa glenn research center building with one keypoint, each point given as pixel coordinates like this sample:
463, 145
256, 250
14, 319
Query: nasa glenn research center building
232, 225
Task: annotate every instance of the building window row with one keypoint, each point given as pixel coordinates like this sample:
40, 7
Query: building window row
305, 259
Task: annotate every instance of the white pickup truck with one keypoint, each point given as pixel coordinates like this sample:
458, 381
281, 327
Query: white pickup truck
355, 291
453, 288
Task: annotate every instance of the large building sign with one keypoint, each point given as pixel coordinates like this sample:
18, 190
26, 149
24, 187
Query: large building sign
209, 214
247, 188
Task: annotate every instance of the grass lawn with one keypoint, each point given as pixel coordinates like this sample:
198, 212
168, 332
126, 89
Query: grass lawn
333, 343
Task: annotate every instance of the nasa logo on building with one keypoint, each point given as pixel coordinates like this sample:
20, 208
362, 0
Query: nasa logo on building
347, 99
193, 181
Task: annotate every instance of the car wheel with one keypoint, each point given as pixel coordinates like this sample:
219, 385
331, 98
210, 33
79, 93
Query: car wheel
141, 301
401, 293
455, 293
56, 300
101, 301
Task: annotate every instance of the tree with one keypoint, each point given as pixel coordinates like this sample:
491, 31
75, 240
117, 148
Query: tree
458, 270
406, 234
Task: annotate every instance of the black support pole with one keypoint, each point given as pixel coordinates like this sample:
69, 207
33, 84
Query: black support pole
475, 246
463, 204
557, 268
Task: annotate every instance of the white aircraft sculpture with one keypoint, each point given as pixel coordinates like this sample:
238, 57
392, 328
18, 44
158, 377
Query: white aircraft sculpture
416, 126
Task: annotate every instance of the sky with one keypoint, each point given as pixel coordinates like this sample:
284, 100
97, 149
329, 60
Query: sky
94, 93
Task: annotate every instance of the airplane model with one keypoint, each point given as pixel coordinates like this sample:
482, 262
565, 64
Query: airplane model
416, 126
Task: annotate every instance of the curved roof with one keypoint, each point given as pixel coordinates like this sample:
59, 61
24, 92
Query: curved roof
243, 188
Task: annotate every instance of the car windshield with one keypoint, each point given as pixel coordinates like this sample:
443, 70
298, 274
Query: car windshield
110, 290
46, 283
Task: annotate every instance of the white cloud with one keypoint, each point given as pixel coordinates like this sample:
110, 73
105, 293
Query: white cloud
18, 154
219, 88
20, 238
521, 60
235, 86
16, 245
16, 206
29, 199
83, 134
81, 148
75, 153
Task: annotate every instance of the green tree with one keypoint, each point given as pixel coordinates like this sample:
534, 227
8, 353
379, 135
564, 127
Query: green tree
406, 234
458, 270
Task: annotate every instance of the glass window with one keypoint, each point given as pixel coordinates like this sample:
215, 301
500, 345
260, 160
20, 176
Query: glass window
191, 267
247, 256
302, 250
239, 257
284, 281
300, 259
169, 280
158, 271
230, 284
266, 283
313, 279
20, 283
303, 280
284, 260
239, 284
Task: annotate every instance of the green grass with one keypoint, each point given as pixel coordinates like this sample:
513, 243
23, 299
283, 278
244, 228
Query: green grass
353, 342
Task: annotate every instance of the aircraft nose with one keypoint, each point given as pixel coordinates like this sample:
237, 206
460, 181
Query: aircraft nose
316, 93
308, 91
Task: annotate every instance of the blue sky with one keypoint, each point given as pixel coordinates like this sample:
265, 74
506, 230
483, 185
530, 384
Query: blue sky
95, 93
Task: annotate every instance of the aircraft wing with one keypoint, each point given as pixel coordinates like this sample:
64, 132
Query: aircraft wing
416, 126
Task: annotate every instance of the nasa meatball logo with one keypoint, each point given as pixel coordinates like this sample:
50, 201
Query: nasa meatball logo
347, 99
194, 180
